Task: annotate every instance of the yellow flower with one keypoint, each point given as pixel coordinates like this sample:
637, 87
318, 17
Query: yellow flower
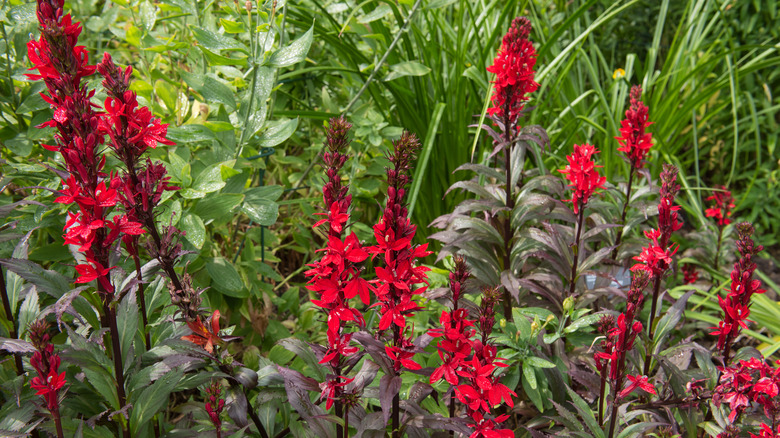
619, 73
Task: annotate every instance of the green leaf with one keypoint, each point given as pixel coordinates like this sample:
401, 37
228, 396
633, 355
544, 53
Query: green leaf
531, 389
127, 322
190, 133
260, 204
195, 231
169, 214
375, 14
152, 399
583, 322
215, 59
232, 26
219, 206
33, 102
20, 145
225, 278
211, 89
530, 376
409, 68
538, 362
209, 180
294, 53
278, 132
28, 312
148, 15
216, 42
670, 319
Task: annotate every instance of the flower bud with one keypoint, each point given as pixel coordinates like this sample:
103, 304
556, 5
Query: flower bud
568, 304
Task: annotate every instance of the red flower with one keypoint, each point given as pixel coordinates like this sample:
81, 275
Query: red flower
330, 389
654, 258
690, 275
640, 382
581, 172
215, 404
724, 203
49, 380
634, 141
514, 69
207, 336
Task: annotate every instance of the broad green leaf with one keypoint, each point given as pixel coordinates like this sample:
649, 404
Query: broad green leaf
219, 206
225, 278
209, 180
215, 59
28, 312
530, 389
189, 133
33, 102
211, 89
195, 231
583, 322
232, 26
152, 399
409, 68
127, 322
538, 362
148, 15
169, 214
294, 53
216, 42
260, 204
20, 145
278, 132
24, 13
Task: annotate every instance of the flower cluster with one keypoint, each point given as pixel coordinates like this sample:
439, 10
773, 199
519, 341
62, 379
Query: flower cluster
514, 69
736, 305
690, 274
62, 65
454, 345
581, 172
750, 381
724, 203
619, 339
657, 256
482, 390
634, 140
336, 276
397, 274
49, 380
214, 405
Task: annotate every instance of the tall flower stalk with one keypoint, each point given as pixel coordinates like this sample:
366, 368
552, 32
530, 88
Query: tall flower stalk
635, 142
620, 336
336, 276
514, 68
721, 211
584, 180
62, 65
49, 381
656, 257
399, 278
736, 304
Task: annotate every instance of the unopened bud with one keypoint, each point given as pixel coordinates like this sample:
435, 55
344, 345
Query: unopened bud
568, 303
502, 323
248, 6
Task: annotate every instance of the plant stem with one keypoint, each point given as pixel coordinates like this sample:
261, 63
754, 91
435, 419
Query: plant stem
10, 316
573, 282
623, 216
510, 204
339, 405
141, 298
717, 249
615, 390
452, 411
396, 413
601, 393
346, 422
58, 422
117, 354
651, 326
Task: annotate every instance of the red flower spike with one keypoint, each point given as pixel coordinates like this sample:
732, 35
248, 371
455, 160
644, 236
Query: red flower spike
46, 363
640, 382
633, 140
724, 204
514, 69
736, 304
215, 404
582, 174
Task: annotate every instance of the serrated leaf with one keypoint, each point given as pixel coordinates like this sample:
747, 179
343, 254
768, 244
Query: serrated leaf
225, 278
293, 53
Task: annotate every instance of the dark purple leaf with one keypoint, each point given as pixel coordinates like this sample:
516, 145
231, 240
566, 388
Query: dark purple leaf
237, 406
50, 282
16, 346
389, 387
298, 387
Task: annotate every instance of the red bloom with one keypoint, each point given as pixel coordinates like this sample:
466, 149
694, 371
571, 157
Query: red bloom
634, 141
581, 172
640, 382
331, 388
49, 380
690, 275
724, 203
215, 404
737, 302
514, 69
207, 336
